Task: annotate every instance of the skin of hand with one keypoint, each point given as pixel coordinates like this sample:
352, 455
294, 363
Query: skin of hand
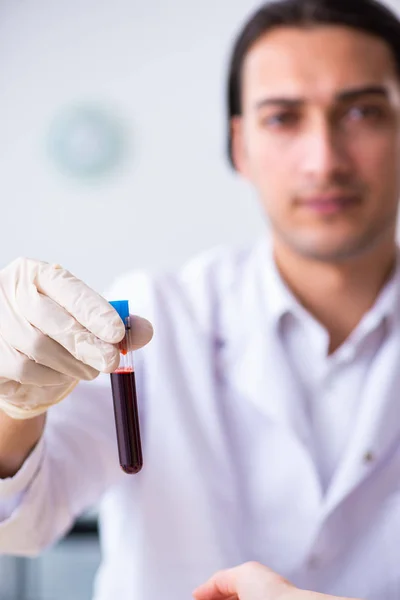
253, 581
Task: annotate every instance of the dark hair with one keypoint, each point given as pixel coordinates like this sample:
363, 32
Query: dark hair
369, 16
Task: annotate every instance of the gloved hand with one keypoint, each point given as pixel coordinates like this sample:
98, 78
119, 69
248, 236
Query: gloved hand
54, 331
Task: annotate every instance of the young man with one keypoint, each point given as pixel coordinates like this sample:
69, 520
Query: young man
269, 394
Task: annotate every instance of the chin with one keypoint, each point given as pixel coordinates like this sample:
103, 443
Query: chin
332, 252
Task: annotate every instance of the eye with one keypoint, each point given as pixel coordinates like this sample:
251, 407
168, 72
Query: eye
280, 120
366, 112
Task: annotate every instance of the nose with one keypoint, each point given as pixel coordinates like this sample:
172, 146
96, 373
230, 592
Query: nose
323, 154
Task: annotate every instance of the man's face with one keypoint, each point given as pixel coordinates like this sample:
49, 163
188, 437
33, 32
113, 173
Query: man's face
319, 137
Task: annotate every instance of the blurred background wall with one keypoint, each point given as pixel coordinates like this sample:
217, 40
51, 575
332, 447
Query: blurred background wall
154, 74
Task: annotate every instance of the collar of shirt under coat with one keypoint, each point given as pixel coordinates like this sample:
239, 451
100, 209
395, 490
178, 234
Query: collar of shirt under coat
280, 301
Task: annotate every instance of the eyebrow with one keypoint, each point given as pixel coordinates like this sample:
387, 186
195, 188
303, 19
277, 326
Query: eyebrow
342, 96
370, 90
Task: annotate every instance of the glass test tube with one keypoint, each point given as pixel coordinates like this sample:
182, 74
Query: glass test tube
125, 401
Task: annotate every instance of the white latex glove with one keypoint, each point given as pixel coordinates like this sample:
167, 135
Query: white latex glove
54, 331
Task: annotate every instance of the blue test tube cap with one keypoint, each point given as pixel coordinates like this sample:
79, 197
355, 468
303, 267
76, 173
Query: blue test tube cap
122, 308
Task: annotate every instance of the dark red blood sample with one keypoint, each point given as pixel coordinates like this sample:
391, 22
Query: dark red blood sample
127, 421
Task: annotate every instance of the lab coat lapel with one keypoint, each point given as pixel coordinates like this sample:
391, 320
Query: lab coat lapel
254, 363
254, 360
378, 425
257, 370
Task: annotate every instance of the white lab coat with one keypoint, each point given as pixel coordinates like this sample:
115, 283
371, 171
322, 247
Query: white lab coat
227, 474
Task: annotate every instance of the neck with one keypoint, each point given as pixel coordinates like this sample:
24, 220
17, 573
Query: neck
337, 294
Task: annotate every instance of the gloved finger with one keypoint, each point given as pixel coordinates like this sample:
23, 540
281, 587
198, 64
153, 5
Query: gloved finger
141, 332
90, 309
23, 401
17, 367
43, 350
55, 322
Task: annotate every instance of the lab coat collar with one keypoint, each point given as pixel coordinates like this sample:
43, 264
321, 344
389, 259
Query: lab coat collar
280, 300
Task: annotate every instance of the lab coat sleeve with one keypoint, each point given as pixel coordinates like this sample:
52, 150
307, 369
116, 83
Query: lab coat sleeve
74, 463
11, 488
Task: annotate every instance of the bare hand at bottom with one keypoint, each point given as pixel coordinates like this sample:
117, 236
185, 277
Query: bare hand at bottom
253, 581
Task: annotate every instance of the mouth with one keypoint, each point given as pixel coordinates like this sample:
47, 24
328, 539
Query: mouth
330, 204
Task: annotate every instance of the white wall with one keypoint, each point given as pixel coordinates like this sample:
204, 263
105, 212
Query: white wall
161, 67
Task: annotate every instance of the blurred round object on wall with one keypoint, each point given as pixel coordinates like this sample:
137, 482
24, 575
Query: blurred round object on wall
87, 141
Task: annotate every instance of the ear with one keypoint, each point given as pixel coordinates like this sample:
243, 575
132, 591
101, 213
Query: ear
239, 154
